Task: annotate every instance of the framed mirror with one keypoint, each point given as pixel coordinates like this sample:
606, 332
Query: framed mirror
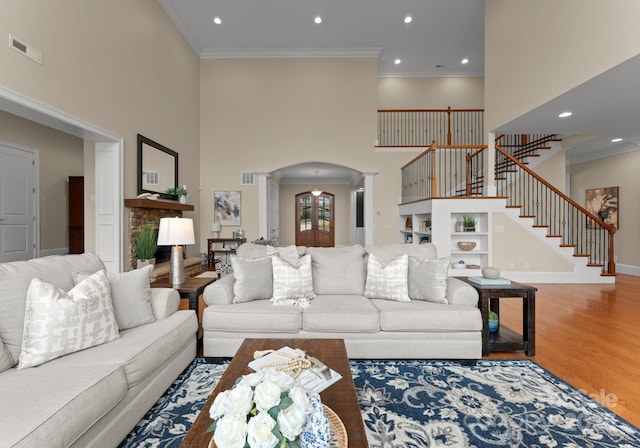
157, 168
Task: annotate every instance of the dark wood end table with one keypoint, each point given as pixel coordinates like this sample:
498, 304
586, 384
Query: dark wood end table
340, 397
506, 339
192, 288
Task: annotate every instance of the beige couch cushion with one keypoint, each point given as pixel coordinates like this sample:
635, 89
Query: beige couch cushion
142, 349
15, 278
341, 313
256, 316
338, 270
420, 315
51, 405
5, 358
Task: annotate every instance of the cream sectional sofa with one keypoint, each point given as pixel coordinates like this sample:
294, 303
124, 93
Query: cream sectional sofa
95, 396
371, 327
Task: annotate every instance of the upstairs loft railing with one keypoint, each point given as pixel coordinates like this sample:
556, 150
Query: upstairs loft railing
444, 171
420, 127
563, 218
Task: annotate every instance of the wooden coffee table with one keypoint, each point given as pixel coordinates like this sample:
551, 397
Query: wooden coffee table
341, 397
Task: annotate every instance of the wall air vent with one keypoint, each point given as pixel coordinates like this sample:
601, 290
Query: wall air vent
247, 178
25, 49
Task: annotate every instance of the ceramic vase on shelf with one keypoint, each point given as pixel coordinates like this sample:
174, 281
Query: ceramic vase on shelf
182, 199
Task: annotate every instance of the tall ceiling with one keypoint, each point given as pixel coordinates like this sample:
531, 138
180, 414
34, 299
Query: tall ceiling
441, 34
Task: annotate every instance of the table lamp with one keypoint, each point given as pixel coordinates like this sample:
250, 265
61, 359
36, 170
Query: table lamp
215, 230
176, 232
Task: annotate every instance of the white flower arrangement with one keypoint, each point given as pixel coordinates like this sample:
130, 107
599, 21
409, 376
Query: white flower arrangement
263, 410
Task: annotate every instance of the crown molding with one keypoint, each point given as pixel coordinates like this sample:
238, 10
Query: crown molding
289, 53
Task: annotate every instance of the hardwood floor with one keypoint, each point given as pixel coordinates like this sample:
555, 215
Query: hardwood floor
589, 336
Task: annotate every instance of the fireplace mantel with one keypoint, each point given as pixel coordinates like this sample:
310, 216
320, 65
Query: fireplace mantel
162, 205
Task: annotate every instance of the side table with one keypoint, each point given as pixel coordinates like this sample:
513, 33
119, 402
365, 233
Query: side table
506, 339
192, 288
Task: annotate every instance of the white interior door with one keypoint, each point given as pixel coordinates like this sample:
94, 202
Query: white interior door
18, 202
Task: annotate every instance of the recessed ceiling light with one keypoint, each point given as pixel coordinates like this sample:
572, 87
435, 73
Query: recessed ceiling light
464, 61
317, 20
398, 61
217, 20
616, 140
565, 114
408, 19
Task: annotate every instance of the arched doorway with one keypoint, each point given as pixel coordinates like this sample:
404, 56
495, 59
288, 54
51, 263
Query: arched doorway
315, 220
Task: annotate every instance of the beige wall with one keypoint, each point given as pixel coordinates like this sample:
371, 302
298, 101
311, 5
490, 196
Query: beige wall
430, 93
264, 114
614, 171
60, 156
537, 50
342, 211
120, 65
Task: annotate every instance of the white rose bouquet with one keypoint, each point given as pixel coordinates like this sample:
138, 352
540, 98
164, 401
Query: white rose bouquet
263, 410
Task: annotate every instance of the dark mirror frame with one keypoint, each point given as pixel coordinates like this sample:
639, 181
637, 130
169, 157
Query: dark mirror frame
142, 140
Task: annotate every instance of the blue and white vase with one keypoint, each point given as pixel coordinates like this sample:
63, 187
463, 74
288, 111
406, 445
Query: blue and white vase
317, 430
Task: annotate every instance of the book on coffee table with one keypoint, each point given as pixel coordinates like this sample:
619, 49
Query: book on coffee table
314, 380
490, 281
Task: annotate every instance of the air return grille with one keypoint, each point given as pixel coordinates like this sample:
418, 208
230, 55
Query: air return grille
247, 178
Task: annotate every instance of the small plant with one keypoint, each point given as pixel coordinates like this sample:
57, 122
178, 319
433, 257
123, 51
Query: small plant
469, 222
493, 315
180, 191
146, 242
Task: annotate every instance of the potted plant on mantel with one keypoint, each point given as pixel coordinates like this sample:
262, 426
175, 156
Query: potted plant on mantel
181, 192
146, 244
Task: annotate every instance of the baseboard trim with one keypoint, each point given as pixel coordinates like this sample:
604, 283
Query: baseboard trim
628, 269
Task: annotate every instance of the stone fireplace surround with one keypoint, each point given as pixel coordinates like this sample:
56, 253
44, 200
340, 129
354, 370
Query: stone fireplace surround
150, 211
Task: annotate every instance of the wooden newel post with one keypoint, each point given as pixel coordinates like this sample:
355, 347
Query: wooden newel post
468, 188
448, 126
612, 263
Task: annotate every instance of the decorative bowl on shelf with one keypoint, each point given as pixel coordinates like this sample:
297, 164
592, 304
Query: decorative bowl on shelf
458, 265
466, 245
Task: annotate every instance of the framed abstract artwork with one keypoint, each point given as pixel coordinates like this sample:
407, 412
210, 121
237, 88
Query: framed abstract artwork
603, 202
227, 207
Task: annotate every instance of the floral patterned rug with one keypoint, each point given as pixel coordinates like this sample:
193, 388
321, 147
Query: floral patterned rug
501, 403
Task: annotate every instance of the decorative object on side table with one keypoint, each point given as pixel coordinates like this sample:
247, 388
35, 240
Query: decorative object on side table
267, 408
176, 232
494, 322
466, 245
490, 272
146, 244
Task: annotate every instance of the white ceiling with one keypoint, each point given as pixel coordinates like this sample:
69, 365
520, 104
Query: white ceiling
442, 33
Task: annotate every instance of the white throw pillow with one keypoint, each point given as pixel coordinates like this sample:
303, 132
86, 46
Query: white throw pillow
131, 296
387, 280
58, 323
428, 279
253, 278
292, 283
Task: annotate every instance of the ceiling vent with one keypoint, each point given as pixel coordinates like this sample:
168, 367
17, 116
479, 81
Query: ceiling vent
247, 178
25, 49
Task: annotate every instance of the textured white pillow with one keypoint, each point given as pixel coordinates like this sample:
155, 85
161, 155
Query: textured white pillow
131, 296
57, 323
387, 280
292, 284
428, 279
254, 278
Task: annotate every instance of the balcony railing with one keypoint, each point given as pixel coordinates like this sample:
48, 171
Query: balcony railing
419, 127
444, 171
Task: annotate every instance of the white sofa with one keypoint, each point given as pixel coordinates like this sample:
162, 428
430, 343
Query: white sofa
371, 327
95, 396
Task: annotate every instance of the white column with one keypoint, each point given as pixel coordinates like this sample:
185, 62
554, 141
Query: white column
263, 205
109, 204
490, 165
368, 208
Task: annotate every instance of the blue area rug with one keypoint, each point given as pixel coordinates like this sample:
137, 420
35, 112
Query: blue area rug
430, 404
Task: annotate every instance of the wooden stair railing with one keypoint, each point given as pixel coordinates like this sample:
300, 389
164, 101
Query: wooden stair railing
562, 216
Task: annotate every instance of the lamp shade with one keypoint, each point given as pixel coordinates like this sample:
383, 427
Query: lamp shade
215, 227
176, 231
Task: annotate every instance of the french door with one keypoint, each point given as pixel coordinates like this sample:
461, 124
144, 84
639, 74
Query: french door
315, 220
